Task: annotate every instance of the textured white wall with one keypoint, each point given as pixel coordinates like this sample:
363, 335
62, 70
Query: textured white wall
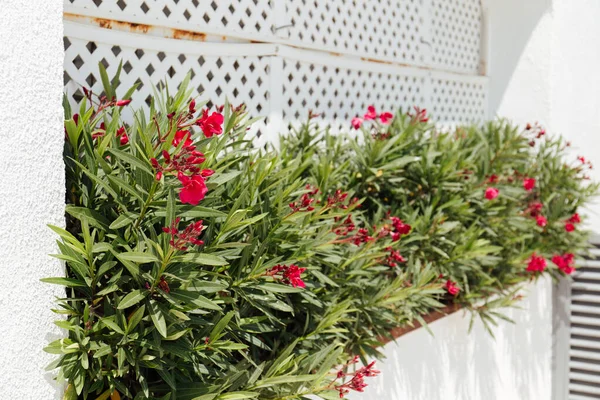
456, 365
31, 191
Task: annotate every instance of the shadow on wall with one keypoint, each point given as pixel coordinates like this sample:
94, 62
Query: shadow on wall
519, 65
454, 364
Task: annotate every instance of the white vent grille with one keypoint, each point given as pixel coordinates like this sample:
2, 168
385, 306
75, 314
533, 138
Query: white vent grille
584, 343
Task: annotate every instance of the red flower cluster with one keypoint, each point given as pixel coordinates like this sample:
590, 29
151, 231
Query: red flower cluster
338, 199
394, 258
400, 228
571, 222
451, 287
180, 240
362, 237
210, 124
536, 264
306, 200
491, 193
357, 382
371, 115
184, 162
420, 116
346, 226
565, 262
290, 275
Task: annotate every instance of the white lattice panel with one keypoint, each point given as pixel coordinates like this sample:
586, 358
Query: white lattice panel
241, 79
388, 29
458, 99
456, 35
244, 16
339, 93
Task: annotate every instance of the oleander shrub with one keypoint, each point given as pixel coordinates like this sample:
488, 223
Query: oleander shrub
199, 266
488, 205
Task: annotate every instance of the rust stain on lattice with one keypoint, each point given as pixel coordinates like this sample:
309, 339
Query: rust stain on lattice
188, 35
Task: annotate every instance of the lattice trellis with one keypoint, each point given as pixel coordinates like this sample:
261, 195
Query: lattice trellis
243, 16
282, 82
458, 99
241, 79
339, 94
456, 35
389, 29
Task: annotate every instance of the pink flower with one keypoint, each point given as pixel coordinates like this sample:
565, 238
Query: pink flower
491, 193
194, 188
569, 227
356, 122
386, 117
529, 184
210, 125
540, 220
451, 287
371, 113
182, 135
565, 262
536, 264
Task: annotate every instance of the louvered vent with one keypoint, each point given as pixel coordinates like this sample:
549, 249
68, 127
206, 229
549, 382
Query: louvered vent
584, 344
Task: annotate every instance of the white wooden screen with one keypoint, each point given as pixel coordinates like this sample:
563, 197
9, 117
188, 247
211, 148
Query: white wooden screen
284, 57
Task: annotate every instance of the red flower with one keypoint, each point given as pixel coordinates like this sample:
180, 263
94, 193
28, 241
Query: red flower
536, 264
565, 262
528, 184
451, 287
491, 193
193, 190
192, 107
371, 113
210, 125
493, 179
534, 209
122, 135
356, 122
122, 103
540, 220
182, 135
292, 275
575, 219
569, 227
386, 117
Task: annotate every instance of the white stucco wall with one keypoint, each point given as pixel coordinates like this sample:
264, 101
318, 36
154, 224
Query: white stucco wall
31, 192
454, 364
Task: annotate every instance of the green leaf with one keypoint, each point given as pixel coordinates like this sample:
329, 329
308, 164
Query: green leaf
238, 395
194, 298
92, 217
124, 219
278, 380
132, 298
202, 259
69, 282
277, 288
137, 257
157, 317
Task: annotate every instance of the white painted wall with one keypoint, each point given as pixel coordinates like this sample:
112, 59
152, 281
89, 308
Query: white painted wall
31, 192
456, 365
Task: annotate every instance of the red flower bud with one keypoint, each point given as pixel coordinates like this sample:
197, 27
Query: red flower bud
122, 103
